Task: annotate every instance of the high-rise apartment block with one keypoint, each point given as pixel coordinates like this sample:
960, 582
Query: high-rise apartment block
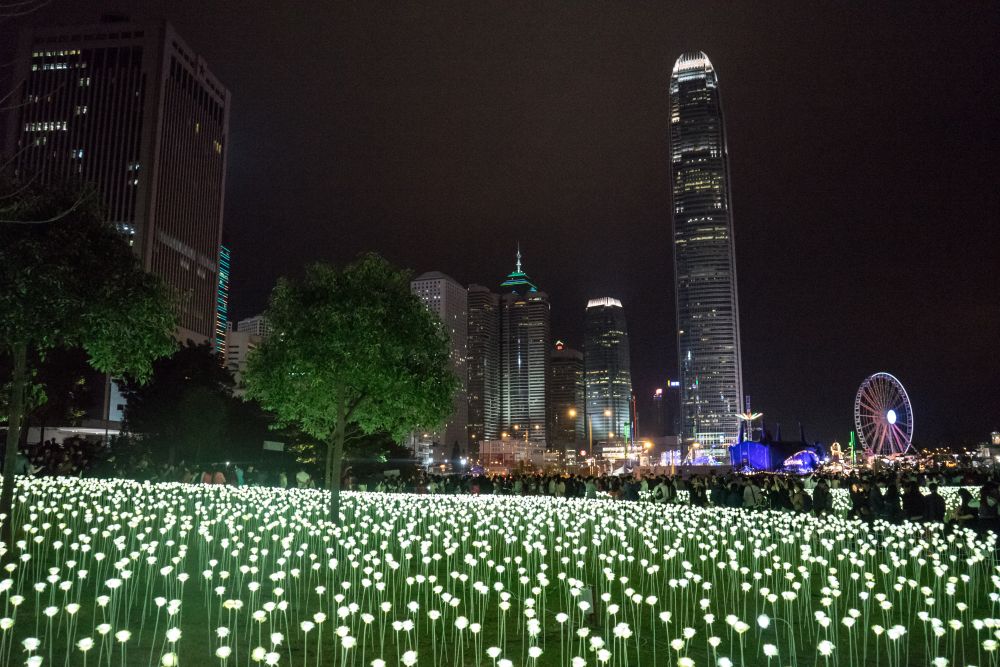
566, 398
524, 357
131, 109
607, 371
484, 364
446, 298
708, 329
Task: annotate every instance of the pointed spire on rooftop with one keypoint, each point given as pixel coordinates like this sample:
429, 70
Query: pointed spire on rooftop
518, 278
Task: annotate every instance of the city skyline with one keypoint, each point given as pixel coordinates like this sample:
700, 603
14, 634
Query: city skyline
550, 126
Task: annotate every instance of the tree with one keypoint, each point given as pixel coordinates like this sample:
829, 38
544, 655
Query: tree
72, 282
351, 346
183, 407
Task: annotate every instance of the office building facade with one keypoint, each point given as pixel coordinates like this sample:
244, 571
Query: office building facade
446, 298
566, 398
524, 357
256, 325
131, 109
607, 371
483, 308
708, 331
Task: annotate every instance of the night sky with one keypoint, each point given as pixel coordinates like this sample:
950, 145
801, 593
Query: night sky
862, 140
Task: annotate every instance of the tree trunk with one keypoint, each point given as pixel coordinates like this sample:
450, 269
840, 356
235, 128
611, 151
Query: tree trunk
337, 461
15, 414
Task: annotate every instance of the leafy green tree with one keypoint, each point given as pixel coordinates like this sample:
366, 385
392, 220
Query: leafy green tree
351, 346
71, 282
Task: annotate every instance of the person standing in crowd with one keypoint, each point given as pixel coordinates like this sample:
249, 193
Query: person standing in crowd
822, 499
934, 508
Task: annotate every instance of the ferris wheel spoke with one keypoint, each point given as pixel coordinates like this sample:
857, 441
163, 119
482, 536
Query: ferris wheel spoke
894, 441
901, 437
879, 439
867, 402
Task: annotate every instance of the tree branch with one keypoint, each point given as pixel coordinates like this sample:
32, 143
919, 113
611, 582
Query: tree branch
54, 218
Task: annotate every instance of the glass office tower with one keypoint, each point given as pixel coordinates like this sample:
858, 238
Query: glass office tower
708, 330
607, 371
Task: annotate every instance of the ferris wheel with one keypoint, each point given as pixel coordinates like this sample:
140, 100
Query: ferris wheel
883, 415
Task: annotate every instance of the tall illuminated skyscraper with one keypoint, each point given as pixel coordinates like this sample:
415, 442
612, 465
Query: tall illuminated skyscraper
708, 326
131, 109
222, 304
607, 371
484, 364
524, 356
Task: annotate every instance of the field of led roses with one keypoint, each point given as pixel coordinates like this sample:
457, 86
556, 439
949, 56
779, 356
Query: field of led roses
119, 573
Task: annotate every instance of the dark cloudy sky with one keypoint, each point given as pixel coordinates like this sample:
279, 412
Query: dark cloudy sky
863, 144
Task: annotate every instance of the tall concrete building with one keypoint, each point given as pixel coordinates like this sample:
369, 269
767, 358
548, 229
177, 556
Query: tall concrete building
256, 325
130, 108
239, 345
708, 326
607, 371
484, 364
566, 398
444, 297
524, 356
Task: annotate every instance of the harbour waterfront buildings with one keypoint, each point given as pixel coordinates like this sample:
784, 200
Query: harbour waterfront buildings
708, 329
607, 371
131, 109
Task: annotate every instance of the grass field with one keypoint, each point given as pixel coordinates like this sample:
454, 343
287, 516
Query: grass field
112, 572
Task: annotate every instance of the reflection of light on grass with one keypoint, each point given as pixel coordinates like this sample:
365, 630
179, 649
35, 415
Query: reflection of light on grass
137, 572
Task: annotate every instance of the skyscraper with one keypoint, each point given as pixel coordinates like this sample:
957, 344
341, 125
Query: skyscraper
484, 364
130, 108
607, 371
222, 304
708, 328
446, 298
524, 356
566, 397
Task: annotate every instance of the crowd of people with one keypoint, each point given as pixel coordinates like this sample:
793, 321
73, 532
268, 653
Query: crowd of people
886, 495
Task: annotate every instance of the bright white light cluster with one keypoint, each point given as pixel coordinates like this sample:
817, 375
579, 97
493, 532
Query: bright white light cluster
121, 573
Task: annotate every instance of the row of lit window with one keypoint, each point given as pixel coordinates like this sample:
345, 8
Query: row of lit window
45, 126
51, 54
